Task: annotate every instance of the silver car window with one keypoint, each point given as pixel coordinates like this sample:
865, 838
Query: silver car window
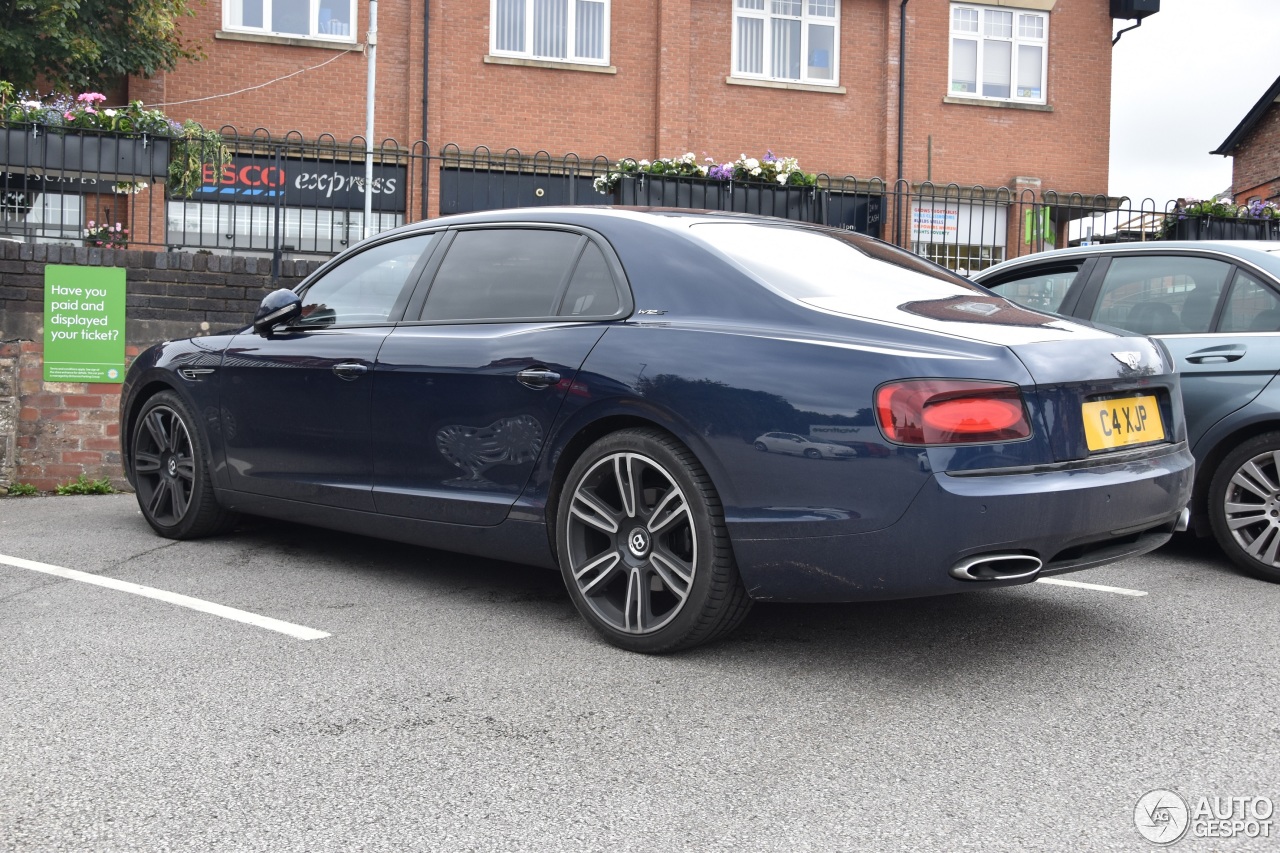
1043, 291
1251, 307
1161, 295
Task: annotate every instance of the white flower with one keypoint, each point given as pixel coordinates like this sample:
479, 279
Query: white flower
690, 157
782, 177
32, 105
108, 113
752, 165
644, 164
702, 170
755, 173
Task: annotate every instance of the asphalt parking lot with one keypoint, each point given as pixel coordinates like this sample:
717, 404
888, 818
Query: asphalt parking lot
461, 704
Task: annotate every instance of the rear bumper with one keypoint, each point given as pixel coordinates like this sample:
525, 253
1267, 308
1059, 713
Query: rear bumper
1067, 519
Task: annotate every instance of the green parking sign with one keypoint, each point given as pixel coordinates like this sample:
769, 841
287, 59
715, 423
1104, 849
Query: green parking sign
83, 324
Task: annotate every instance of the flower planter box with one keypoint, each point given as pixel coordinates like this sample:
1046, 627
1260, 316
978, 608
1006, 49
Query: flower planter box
802, 204
105, 157
657, 191
1216, 228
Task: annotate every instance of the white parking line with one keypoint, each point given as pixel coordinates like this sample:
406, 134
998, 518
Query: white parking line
301, 632
1099, 587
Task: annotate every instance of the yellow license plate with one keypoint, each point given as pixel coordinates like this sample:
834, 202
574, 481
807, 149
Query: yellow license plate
1123, 421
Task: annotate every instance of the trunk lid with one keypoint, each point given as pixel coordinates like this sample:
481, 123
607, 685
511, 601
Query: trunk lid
1101, 396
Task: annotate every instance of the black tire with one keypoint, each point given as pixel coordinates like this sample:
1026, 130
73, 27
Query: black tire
1244, 506
649, 567
813, 454
170, 459
762, 447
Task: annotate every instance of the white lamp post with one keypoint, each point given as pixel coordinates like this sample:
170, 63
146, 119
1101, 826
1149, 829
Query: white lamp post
370, 88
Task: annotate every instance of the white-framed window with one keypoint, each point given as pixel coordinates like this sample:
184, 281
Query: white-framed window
998, 53
322, 19
557, 30
788, 41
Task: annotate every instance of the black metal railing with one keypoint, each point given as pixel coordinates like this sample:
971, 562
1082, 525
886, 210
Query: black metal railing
288, 196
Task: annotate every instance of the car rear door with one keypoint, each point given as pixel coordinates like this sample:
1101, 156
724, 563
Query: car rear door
465, 394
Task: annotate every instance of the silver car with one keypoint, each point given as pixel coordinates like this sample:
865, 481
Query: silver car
798, 445
1216, 306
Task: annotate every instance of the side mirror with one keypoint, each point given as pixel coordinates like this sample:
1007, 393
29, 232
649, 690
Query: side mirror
277, 309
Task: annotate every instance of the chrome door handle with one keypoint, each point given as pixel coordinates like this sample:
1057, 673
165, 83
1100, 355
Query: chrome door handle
350, 371
1214, 355
537, 377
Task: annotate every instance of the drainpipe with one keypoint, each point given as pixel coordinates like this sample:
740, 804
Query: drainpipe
902, 105
426, 57
426, 77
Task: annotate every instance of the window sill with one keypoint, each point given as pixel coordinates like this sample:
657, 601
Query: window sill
1039, 5
295, 41
1004, 105
548, 63
795, 87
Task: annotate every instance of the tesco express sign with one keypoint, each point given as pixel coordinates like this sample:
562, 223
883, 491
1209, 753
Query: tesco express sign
263, 180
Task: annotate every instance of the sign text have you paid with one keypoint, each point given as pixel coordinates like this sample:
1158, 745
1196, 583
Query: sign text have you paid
84, 313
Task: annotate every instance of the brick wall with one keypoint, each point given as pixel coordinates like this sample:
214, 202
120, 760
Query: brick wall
670, 95
51, 432
328, 99
1255, 166
667, 93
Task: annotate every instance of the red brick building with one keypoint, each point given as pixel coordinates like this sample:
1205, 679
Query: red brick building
1254, 149
994, 91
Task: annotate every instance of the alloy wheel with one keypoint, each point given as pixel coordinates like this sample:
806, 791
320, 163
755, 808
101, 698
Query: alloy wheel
1251, 506
631, 541
164, 465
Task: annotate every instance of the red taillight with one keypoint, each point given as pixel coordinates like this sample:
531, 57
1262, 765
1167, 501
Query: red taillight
951, 411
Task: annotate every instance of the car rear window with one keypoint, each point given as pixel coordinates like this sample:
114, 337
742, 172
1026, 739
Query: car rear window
811, 264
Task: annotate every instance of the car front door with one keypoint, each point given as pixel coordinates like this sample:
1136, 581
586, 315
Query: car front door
466, 395
296, 404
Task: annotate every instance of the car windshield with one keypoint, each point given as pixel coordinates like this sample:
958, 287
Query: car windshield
812, 265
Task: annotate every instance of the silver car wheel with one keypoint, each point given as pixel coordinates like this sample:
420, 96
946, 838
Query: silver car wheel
632, 549
1251, 505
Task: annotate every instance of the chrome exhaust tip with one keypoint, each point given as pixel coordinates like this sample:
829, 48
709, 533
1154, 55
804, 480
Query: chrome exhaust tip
1184, 520
996, 567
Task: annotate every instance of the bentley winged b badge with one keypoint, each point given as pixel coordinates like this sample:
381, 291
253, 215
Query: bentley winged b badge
1131, 359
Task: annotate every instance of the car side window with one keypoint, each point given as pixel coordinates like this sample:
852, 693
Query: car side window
1251, 307
1161, 295
503, 274
365, 287
592, 290
1042, 289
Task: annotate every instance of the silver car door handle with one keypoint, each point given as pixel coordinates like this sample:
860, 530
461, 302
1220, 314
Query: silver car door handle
350, 371
537, 377
1215, 355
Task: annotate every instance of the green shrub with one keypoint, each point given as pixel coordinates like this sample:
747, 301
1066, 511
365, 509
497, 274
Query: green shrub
82, 485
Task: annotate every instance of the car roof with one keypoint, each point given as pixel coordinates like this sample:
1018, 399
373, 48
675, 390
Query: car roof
585, 215
1264, 254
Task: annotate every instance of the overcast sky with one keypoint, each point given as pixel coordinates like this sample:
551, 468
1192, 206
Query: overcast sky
1180, 84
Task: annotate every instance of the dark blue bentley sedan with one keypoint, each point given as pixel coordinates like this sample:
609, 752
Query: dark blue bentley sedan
585, 388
